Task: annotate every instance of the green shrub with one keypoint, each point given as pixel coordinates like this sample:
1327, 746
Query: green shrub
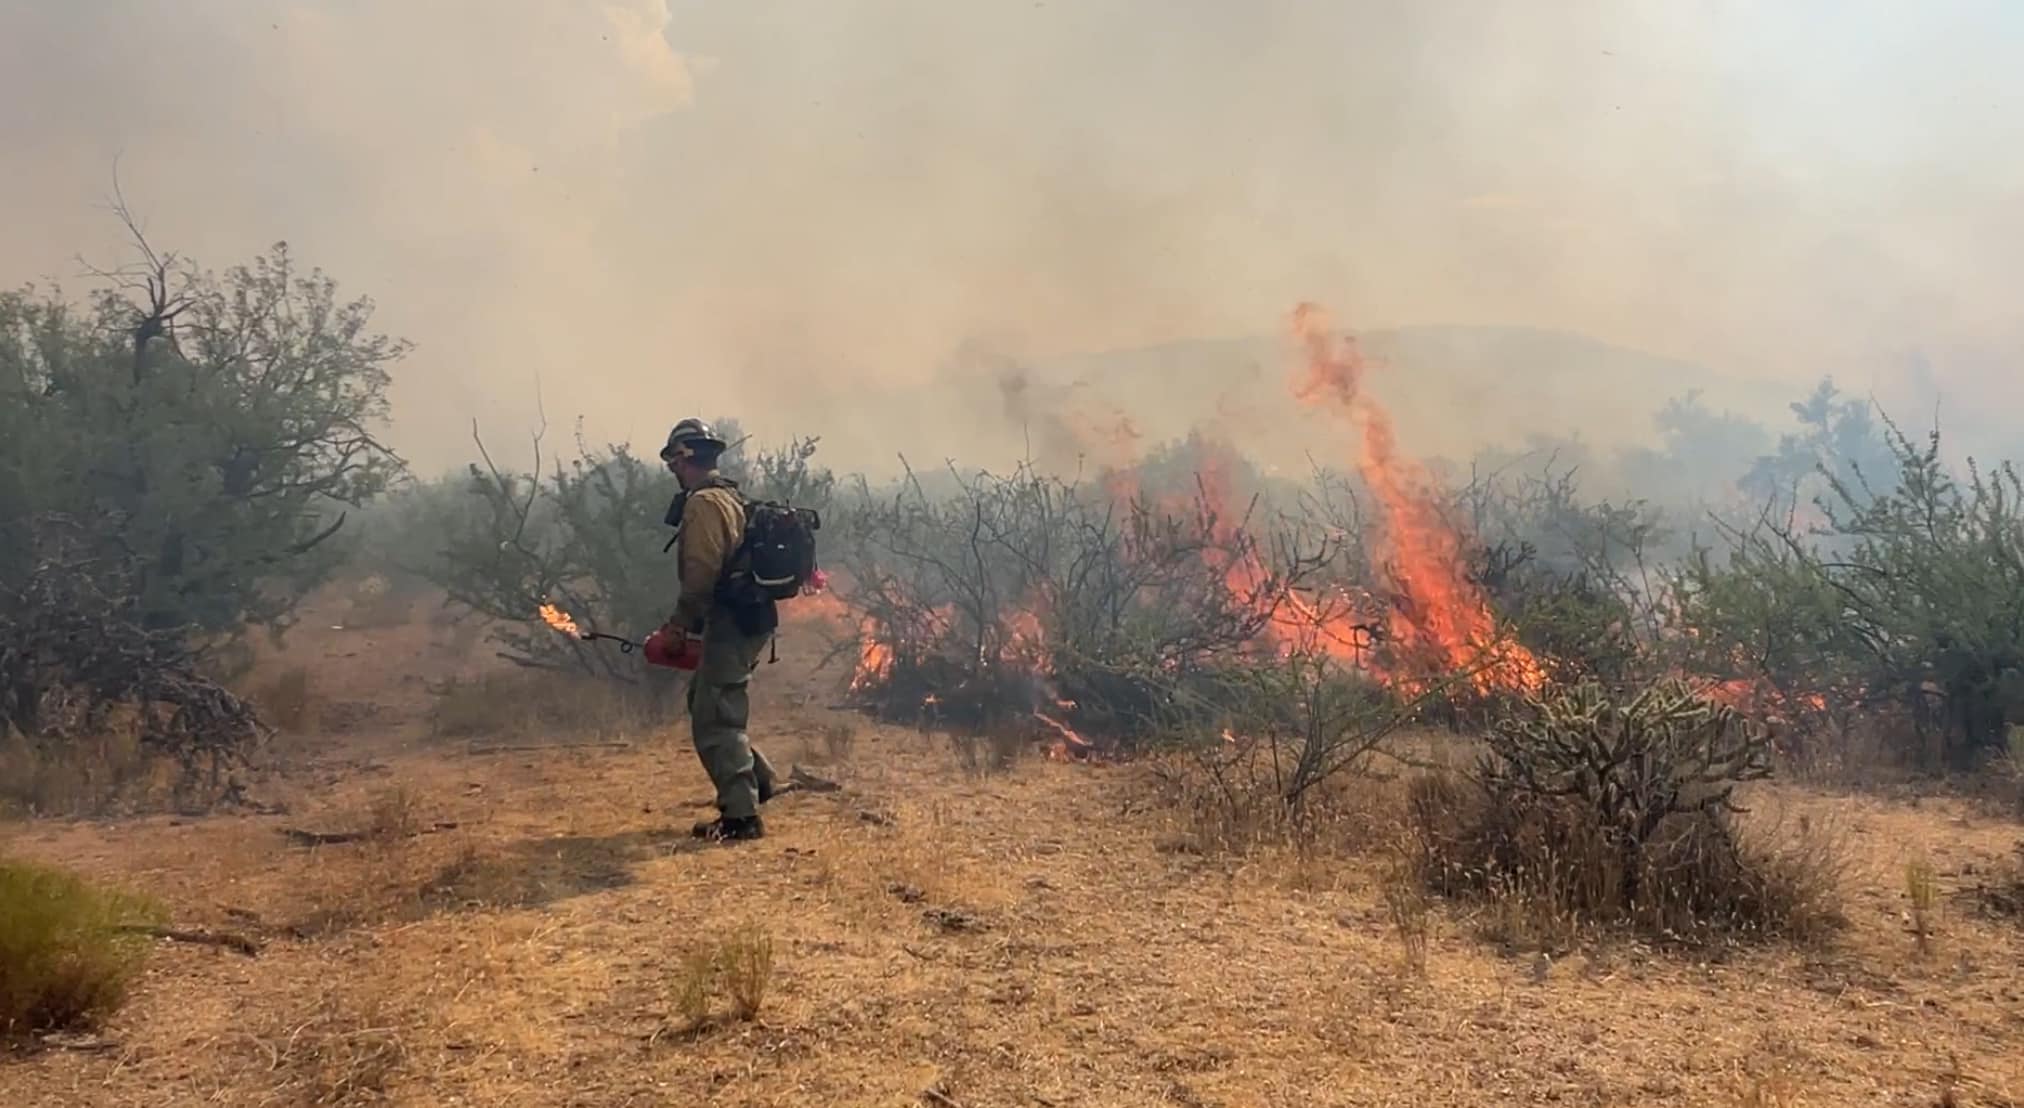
69, 951
1910, 594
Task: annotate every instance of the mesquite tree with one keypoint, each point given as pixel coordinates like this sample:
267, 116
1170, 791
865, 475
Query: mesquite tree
184, 446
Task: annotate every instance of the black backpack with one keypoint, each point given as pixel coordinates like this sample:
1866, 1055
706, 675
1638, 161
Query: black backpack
776, 558
778, 554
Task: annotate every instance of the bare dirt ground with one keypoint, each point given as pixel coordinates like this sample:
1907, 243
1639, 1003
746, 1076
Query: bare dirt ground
1044, 935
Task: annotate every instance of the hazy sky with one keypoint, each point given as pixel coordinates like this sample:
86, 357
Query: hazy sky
787, 210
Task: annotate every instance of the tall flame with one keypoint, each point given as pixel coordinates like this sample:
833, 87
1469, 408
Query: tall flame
1442, 618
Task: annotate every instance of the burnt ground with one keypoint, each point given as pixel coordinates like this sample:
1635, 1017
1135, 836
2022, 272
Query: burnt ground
1042, 935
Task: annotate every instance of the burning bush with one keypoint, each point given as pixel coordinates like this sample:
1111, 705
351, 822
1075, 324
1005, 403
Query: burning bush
1600, 809
1043, 598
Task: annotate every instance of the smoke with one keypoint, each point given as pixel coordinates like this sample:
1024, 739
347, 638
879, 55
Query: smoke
850, 219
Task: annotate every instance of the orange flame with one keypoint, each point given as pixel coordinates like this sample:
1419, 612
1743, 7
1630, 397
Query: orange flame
1442, 621
559, 619
874, 657
1070, 746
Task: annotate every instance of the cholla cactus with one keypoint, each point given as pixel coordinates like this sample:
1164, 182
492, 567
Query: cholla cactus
1667, 751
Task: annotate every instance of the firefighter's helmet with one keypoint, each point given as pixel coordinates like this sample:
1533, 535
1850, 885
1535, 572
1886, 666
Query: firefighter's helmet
694, 440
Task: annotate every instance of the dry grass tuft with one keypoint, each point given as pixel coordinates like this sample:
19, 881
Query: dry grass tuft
378, 601
66, 962
1774, 1090
393, 813
384, 876
1406, 902
990, 750
2002, 895
695, 980
839, 740
288, 701
739, 965
1922, 901
746, 962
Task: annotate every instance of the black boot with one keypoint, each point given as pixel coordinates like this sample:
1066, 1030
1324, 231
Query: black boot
724, 829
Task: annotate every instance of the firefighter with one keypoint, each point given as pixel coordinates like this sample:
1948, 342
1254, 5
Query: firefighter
719, 645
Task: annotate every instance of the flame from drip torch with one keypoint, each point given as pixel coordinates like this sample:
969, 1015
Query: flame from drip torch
1070, 745
559, 619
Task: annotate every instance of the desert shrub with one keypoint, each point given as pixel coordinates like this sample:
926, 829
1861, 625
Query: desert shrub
1909, 595
1602, 810
206, 424
1572, 578
69, 951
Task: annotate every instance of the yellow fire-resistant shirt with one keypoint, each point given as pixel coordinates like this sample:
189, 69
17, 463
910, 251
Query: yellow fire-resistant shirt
713, 524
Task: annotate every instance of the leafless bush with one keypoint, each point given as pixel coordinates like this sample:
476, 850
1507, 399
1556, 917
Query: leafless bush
77, 660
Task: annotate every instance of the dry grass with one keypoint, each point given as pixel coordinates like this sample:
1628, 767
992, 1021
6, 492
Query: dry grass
990, 750
695, 980
525, 703
288, 701
738, 966
378, 601
745, 962
839, 739
1411, 912
348, 1049
80, 776
1922, 902
1773, 1091
66, 964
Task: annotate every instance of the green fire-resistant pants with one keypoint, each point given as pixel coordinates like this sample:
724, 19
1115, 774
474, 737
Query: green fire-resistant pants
719, 710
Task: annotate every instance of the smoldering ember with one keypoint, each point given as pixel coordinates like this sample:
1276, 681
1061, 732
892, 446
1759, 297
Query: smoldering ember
1009, 555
